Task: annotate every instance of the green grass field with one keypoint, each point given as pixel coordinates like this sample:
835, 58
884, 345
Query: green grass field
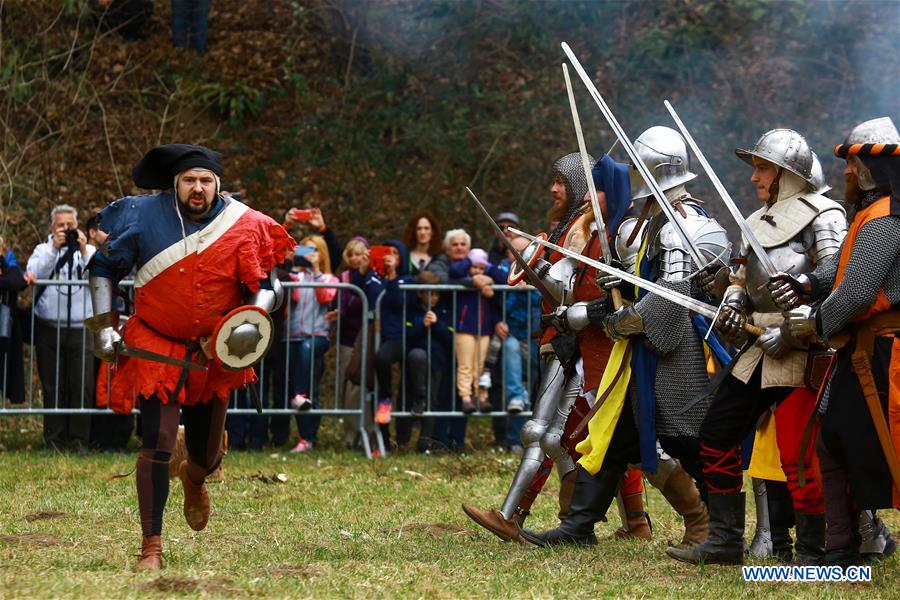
339, 526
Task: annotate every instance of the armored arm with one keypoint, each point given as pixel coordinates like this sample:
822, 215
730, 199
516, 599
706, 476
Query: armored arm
103, 323
270, 296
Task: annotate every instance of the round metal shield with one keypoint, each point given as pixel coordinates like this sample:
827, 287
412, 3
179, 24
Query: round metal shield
242, 338
531, 254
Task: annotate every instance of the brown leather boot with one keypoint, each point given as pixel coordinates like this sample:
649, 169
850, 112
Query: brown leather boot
637, 520
196, 500
493, 521
682, 494
151, 554
566, 488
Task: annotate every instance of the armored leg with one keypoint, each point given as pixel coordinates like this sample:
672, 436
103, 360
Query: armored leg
551, 443
530, 475
552, 389
761, 546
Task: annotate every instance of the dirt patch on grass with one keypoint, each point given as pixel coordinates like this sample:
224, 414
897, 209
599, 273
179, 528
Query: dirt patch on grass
191, 585
432, 529
45, 514
31, 539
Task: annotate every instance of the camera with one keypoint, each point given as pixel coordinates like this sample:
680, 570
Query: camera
72, 238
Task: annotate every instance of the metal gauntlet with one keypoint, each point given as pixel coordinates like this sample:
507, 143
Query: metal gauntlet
623, 323
732, 319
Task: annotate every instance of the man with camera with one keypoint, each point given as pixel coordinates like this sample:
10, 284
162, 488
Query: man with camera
60, 341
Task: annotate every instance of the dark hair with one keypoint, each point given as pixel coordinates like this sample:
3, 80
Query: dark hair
93, 222
409, 234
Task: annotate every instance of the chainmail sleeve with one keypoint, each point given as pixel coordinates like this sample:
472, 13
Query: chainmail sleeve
665, 322
874, 264
822, 277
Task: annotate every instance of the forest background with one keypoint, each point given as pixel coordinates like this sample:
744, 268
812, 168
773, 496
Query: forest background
372, 109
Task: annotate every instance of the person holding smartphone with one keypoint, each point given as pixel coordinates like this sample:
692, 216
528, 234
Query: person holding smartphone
308, 334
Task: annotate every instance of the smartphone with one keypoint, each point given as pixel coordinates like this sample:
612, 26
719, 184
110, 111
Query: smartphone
301, 214
300, 253
376, 257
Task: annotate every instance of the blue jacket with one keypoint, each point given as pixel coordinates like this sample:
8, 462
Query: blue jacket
470, 313
392, 304
441, 332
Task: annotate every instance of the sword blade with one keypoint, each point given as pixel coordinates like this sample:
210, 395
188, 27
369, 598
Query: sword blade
752, 241
589, 179
585, 164
134, 352
523, 264
664, 204
686, 301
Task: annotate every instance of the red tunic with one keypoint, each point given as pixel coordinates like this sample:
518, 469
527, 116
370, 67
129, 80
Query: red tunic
181, 294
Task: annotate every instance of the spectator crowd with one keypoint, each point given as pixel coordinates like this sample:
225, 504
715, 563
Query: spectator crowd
442, 343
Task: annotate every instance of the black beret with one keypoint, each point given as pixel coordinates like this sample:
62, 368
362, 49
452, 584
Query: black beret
157, 169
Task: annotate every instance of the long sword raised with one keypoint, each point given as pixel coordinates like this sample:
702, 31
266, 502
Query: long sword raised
589, 179
693, 304
754, 244
638, 163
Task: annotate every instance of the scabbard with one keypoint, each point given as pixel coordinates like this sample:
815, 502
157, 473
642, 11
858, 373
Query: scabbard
862, 366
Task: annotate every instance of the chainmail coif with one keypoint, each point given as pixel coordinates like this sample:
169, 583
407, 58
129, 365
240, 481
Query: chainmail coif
572, 172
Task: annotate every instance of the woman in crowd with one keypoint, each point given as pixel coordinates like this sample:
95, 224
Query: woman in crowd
348, 308
422, 237
308, 334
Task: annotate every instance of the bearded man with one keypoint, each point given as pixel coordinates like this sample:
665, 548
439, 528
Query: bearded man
860, 292
199, 254
561, 382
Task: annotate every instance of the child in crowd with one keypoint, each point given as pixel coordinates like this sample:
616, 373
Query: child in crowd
429, 336
474, 325
308, 334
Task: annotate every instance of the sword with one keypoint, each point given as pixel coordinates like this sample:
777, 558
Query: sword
661, 199
592, 191
523, 264
693, 304
135, 352
754, 244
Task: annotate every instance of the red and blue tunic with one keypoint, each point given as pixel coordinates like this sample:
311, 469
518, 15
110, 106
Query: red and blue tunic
189, 274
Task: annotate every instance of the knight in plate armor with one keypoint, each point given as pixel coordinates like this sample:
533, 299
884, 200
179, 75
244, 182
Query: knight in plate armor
798, 228
561, 382
658, 353
851, 301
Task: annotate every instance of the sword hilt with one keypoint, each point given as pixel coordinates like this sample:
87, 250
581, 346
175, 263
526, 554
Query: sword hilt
753, 330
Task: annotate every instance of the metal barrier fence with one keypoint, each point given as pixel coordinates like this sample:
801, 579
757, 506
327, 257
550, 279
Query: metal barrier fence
66, 336
437, 407
275, 372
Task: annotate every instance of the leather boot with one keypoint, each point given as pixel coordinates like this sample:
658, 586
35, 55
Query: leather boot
196, 500
592, 496
682, 494
636, 519
725, 544
810, 546
566, 488
151, 554
494, 521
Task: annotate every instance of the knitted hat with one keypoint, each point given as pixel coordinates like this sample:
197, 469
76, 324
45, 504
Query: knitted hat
477, 256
